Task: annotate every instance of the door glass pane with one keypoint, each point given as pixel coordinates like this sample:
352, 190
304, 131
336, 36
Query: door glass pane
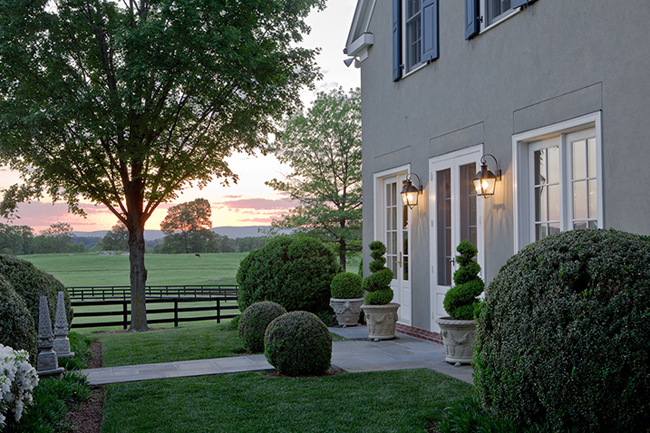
580, 200
540, 167
541, 208
467, 202
591, 157
579, 159
554, 203
443, 198
593, 198
391, 227
553, 165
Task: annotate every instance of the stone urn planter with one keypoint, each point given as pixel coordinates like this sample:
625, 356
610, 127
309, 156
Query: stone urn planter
347, 310
381, 320
458, 339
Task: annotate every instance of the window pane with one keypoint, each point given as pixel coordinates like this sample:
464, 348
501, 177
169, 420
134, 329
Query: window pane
591, 157
405, 269
593, 225
393, 194
412, 7
553, 228
393, 225
393, 237
540, 167
554, 204
405, 242
580, 225
443, 203
540, 204
579, 159
580, 200
540, 231
593, 198
553, 164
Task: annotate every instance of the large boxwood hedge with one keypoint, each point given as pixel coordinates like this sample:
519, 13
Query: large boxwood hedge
16, 324
563, 334
31, 283
293, 272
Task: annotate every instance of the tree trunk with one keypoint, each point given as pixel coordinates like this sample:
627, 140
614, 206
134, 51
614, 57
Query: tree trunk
342, 260
138, 278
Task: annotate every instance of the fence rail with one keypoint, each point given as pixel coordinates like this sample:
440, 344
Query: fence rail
114, 296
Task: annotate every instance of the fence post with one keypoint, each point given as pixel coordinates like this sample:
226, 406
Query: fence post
218, 311
176, 313
124, 313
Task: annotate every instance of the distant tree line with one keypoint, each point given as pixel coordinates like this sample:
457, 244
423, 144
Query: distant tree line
58, 238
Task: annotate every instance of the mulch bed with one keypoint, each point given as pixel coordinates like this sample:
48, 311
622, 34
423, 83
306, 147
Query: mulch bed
88, 416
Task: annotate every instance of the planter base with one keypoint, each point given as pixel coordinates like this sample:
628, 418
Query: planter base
381, 320
458, 339
347, 310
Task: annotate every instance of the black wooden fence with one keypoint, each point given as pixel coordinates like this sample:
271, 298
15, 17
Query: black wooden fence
222, 298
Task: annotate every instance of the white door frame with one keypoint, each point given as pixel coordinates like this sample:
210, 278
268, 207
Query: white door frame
401, 287
451, 161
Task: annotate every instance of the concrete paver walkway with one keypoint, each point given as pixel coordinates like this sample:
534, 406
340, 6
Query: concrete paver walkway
357, 355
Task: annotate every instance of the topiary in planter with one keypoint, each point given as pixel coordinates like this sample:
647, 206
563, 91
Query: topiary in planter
378, 283
294, 272
347, 285
16, 324
563, 334
298, 344
31, 283
253, 323
461, 301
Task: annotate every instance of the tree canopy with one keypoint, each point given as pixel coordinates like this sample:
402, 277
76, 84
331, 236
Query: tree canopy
323, 148
116, 239
126, 103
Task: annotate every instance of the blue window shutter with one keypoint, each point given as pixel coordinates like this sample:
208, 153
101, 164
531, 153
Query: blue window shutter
397, 40
471, 18
517, 3
429, 30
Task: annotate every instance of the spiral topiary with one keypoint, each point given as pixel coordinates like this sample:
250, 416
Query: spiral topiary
253, 323
563, 334
347, 285
378, 283
16, 324
298, 344
461, 301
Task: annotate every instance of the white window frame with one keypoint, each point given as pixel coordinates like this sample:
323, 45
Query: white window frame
405, 43
499, 19
521, 153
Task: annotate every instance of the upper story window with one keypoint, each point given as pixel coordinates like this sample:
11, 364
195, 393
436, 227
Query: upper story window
415, 34
480, 14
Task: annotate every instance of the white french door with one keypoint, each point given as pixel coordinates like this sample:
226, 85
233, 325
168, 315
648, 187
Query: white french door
392, 228
456, 215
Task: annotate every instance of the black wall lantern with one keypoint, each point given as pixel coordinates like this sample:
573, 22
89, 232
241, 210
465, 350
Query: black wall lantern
410, 193
485, 180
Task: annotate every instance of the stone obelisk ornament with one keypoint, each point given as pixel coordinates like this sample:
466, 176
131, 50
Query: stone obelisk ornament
61, 341
47, 363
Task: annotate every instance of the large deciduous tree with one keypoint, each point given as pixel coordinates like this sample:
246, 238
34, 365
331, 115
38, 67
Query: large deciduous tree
323, 148
116, 239
188, 224
125, 103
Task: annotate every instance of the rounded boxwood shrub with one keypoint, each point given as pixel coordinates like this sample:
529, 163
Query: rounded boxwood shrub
347, 285
31, 283
16, 324
293, 272
378, 283
563, 334
298, 344
253, 323
461, 301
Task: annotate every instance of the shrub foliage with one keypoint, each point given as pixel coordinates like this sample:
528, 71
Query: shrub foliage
298, 344
378, 283
31, 283
462, 300
16, 324
347, 285
253, 323
563, 334
293, 272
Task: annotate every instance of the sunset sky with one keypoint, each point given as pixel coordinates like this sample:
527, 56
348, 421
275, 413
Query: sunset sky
249, 202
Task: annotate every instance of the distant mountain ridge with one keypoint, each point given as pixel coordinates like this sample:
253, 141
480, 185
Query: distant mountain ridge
150, 235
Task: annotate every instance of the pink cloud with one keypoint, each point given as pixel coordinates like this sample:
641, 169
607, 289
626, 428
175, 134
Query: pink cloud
259, 204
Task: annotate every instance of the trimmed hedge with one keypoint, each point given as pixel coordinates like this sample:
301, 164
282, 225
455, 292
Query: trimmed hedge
298, 344
16, 324
253, 323
293, 272
347, 285
378, 283
461, 301
31, 283
563, 334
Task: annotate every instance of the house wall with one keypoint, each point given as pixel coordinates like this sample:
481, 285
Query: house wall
552, 62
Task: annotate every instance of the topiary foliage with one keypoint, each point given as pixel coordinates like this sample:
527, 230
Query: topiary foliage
253, 323
347, 285
563, 334
378, 283
16, 324
298, 344
294, 272
461, 301
31, 283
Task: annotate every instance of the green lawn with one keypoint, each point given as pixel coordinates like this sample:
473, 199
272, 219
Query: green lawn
92, 269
